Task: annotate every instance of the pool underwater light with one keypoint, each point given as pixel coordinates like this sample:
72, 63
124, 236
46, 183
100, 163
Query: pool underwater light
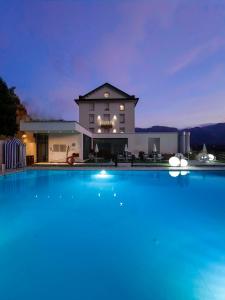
103, 175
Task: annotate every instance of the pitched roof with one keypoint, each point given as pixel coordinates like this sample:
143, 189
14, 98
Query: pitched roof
109, 86
123, 94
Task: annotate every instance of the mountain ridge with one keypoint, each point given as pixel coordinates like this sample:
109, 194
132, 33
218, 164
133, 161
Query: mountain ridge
210, 134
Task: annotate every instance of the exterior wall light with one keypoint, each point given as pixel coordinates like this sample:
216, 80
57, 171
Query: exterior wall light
114, 130
99, 117
99, 130
114, 117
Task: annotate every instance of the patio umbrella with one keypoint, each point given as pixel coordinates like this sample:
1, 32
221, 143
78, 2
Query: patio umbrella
188, 149
204, 149
126, 150
154, 149
96, 152
96, 148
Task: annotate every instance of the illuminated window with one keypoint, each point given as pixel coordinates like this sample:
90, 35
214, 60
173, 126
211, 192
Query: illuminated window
91, 118
122, 107
106, 94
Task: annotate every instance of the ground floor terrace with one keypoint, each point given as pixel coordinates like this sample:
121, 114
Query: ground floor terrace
53, 142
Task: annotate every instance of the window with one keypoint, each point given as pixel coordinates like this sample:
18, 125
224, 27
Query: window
91, 118
122, 129
62, 148
55, 148
106, 117
59, 148
122, 118
106, 130
122, 107
92, 129
91, 106
107, 106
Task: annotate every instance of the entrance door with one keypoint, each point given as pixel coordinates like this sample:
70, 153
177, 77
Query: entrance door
42, 147
110, 146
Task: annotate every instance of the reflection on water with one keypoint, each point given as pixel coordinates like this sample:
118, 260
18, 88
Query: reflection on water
178, 173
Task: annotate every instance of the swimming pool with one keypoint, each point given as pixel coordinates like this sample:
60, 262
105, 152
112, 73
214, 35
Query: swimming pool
86, 235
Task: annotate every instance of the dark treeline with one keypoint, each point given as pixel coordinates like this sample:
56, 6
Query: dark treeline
11, 110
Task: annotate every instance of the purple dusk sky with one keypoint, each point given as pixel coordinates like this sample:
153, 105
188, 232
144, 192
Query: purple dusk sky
170, 54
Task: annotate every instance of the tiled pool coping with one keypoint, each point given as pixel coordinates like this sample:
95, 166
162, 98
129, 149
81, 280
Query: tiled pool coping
120, 168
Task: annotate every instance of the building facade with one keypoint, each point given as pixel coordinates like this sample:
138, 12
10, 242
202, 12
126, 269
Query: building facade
106, 118
106, 110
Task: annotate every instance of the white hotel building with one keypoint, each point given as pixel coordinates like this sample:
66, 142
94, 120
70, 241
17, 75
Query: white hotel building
106, 118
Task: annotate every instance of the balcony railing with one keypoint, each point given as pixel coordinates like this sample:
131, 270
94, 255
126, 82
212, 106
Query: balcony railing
106, 124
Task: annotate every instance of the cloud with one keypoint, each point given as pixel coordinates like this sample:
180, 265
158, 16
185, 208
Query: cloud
197, 54
123, 49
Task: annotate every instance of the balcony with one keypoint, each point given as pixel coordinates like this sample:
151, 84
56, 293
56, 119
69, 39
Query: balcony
106, 124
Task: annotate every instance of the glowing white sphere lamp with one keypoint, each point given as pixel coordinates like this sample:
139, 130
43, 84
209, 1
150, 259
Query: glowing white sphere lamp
183, 162
174, 161
211, 157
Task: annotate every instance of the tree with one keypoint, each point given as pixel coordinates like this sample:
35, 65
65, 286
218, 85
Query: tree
9, 106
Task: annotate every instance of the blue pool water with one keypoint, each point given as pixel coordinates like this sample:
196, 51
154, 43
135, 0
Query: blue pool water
132, 235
